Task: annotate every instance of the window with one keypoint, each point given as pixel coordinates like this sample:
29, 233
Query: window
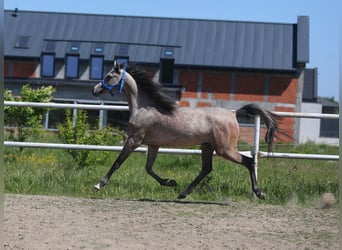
166, 70
48, 65
329, 128
122, 60
167, 62
167, 53
22, 42
74, 47
96, 67
121, 55
72, 65
98, 48
56, 116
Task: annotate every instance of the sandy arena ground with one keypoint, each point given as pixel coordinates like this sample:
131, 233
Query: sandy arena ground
44, 222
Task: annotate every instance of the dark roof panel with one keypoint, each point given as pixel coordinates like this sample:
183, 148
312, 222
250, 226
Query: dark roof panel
310, 84
303, 39
196, 42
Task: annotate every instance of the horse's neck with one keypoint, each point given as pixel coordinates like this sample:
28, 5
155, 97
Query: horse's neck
132, 107
131, 91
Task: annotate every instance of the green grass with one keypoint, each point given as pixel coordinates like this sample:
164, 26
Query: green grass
52, 172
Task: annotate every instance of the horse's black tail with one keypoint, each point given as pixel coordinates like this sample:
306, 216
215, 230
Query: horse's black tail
270, 119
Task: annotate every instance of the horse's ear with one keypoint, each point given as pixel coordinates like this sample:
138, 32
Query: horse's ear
116, 67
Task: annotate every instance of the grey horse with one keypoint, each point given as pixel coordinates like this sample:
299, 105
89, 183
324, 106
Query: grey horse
156, 120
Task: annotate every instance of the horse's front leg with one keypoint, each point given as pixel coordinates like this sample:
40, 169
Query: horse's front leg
130, 144
151, 156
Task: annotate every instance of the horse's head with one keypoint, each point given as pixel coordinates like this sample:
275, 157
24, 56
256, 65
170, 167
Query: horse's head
112, 82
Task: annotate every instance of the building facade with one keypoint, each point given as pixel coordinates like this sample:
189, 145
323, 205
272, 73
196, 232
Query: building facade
213, 62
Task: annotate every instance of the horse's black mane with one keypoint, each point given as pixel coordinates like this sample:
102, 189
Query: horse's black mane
151, 88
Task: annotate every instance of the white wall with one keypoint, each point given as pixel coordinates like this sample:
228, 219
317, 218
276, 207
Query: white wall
309, 129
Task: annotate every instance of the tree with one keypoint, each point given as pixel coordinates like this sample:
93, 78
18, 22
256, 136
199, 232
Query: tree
331, 99
26, 120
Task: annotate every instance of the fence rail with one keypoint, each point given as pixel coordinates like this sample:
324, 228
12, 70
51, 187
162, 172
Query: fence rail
66, 105
102, 148
125, 108
261, 154
165, 150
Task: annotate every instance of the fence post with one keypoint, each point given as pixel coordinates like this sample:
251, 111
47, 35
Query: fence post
46, 122
101, 115
256, 144
74, 116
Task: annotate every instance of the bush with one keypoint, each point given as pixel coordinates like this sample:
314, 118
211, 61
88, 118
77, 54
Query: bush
26, 120
78, 132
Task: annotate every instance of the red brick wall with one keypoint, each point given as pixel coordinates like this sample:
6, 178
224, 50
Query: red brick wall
184, 104
24, 69
286, 124
204, 104
247, 134
189, 79
283, 89
6, 69
249, 88
217, 83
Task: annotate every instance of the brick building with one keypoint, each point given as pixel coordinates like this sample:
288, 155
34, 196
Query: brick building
216, 62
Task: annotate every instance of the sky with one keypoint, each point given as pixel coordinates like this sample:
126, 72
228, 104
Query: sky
325, 21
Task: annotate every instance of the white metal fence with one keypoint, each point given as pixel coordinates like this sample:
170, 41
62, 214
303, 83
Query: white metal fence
255, 151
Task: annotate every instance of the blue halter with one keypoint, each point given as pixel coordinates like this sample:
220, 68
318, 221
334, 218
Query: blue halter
119, 85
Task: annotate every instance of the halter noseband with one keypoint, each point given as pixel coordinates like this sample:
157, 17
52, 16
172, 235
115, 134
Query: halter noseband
119, 85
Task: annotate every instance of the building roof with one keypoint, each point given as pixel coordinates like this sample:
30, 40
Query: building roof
191, 42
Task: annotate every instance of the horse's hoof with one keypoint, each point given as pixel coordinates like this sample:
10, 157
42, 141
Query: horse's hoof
170, 183
97, 187
260, 195
181, 196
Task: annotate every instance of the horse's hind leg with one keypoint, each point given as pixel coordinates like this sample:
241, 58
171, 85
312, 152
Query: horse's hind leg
248, 162
207, 157
151, 156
